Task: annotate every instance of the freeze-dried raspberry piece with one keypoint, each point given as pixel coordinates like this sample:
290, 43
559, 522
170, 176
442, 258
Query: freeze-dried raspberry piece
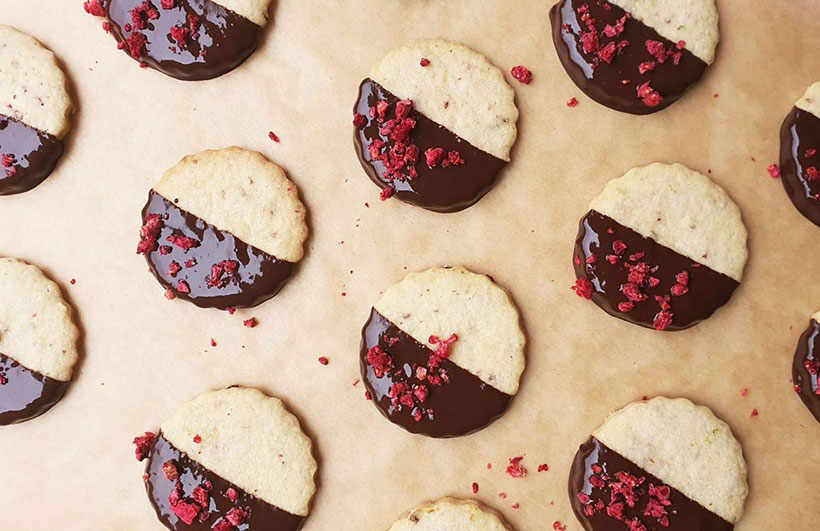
583, 288
94, 7
522, 74
515, 469
143, 445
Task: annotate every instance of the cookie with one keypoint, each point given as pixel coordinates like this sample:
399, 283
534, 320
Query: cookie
228, 459
661, 247
442, 352
39, 342
451, 514
434, 125
185, 39
34, 112
806, 367
800, 154
662, 464
223, 229
635, 56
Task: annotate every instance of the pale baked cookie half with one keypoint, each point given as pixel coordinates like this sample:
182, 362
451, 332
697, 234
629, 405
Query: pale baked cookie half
635, 56
185, 39
806, 366
800, 154
662, 247
39, 342
35, 111
223, 229
442, 352
230, 459
434, 125
451, 514
660, 464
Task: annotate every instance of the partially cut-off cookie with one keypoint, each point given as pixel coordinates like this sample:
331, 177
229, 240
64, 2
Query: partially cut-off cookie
659, 465
635, 56
34, 112
223, 229
230, 459
800, 154
661, 247
806, 367
434, 125
38, 342
451, 514
185, 39
442, 352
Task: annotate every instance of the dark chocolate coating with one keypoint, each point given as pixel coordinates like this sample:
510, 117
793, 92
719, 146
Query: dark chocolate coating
26, 393
799, 134
438, 189
604, 82
708, 289
222, 41
464, 405
260, 514
35, 155
683, 514
260, 276
806, 369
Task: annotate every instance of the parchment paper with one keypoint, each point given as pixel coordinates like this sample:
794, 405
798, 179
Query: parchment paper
74, 468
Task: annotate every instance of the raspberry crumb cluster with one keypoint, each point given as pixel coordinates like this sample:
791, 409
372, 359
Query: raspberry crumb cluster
8, 160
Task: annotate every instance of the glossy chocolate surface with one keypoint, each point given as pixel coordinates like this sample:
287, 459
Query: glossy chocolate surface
24, 393
27, 156
439, 189
463, 405
800, 162
806, 369
708, 290
214, 40
615, 84
258, 277
211, 511
604, 491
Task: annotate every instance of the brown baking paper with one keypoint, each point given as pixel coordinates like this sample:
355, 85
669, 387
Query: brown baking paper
74, 467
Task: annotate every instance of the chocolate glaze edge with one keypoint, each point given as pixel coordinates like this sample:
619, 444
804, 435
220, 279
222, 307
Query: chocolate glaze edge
807, 384
35, 153
799, 133
27, 393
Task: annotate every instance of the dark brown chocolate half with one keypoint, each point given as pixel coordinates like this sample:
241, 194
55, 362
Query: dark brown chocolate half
210, 267
606, 53
198, 499
443, 188
609, 492
27, 156
623, 267
24, 393
188, 39
806, 369
800, 162
459, 404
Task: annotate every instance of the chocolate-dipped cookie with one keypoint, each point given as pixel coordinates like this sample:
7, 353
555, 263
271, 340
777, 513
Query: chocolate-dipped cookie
662, 464
451, 514
34, 112
635, 56
442, 352
434, 125
185, 39
223, 229
661, 247
800, 154
806, 367
230, 459
38, 342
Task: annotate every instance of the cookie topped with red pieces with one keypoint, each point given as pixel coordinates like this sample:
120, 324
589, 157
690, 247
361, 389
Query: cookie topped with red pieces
800, 154
806, 367
635, 56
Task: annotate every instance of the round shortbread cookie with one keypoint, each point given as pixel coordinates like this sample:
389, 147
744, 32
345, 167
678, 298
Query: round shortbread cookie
435, 123
663, 246
664, 463
35, 111
636, 56
39, 342
451, 514
806, 367
234, 455
800, 154
461, 335
224, 228
185, 39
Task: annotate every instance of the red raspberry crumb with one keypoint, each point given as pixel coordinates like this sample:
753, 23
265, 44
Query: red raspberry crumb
679, 290
169, 294
180, 35
657, 50
231, 494
73, 281
558, 526
522, 74
774, 171
183, 287
662, 320
213, 342
3, 379
424, 61
515, 469
543, 468
583, 288
647, 66
197, 439
502, 495
323, 360
250, 323
183, 242
650, 96
744, 392
754, 413
475, 488
626, 307
167, 4
185, 511
7, 160
222, 525
812, 173
516, 505
143, 445
149, 232
618, 246
236, 516
573, 102
810, 153
359, 121
387, 193
169, 470
136, 44
94, 7
273, 136
434, 156
231, 310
